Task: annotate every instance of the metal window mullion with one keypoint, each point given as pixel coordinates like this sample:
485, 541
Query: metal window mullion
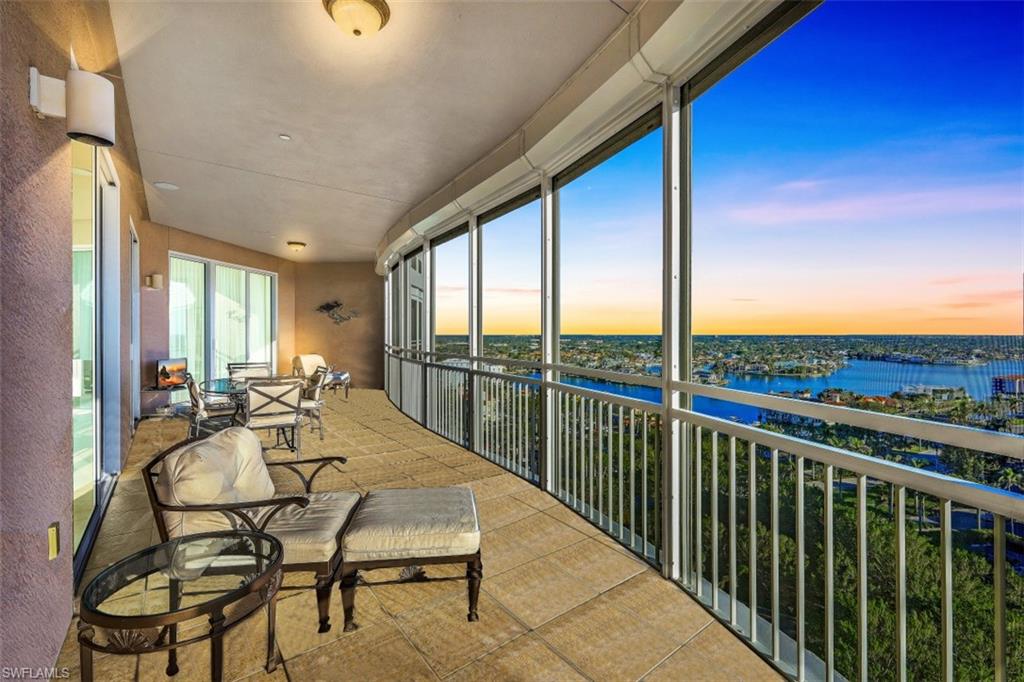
675, 136
475, 323
862, 577
999, 593
946, 551
901, 581
801, 634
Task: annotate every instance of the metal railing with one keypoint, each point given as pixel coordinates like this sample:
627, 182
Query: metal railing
823, 580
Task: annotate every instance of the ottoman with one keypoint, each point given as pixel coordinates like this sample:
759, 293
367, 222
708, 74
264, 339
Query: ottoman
411, 527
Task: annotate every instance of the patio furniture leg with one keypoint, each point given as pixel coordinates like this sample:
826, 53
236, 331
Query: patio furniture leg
174, 588
348, 599
271, 635
85, 662
217, 647
474, 573
323, 603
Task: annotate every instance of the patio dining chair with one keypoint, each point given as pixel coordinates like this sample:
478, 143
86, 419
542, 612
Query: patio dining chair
276, 406
249, 370
207, 414
312, 399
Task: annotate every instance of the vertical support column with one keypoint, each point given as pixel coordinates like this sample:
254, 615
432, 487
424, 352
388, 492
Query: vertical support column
387, 332
475, 331
549, 331
426, 328
671, 329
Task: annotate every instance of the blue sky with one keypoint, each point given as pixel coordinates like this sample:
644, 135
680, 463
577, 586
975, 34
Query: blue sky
861, 174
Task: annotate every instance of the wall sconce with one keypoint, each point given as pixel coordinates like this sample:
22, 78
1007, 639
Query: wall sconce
155, 281
85, 99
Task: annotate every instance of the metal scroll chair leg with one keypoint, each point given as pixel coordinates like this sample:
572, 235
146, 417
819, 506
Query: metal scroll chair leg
348, 599
474, 573
217, 646
323, 603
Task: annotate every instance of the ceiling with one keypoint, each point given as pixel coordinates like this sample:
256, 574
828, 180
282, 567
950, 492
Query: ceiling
377, 123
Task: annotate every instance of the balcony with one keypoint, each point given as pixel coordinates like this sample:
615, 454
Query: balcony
561, 600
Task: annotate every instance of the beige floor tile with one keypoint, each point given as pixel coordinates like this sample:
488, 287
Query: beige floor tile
715, 655
608, 642
298, 620
500, 552
538, 591
598, 566
657, 601
540, 534
108, 669
379, 652
524, 659
573, 520
501, 511
448, 641
536, 498
401, 597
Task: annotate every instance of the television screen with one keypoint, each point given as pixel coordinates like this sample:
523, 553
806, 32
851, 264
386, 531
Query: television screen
171, 372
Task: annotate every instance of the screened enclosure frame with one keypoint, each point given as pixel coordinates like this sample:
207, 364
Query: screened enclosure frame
454, 394
209, 308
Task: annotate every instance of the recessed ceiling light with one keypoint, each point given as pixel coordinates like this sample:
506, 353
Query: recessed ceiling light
169, 186
285, 137
296, 246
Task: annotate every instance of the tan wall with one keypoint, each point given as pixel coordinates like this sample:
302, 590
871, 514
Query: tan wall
156, 241
35, 313
356, 346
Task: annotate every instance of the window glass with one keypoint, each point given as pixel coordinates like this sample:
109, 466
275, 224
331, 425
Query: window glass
610, 231
261, 342
414, 278
451, 309
510, 282
83, 335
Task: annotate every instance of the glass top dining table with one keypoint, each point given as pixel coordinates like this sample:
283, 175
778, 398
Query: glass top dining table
236, 387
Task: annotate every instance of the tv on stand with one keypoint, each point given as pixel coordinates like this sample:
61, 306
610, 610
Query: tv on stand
171, 373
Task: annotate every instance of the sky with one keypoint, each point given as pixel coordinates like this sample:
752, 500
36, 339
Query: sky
864, 173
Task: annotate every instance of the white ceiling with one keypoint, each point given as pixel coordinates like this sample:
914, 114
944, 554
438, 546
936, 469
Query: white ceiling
377, 123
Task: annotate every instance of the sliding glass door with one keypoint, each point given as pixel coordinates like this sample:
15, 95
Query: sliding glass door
220, 313
83, 337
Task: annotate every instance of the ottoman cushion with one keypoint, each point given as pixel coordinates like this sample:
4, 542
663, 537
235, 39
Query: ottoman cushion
413, 523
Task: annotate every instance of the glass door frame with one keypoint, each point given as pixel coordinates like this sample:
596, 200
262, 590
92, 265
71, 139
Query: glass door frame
209, 318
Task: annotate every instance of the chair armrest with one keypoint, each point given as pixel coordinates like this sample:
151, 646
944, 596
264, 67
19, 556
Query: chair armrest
321, 462
237, 508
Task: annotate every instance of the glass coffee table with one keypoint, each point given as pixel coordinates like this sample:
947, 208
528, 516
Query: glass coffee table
136, 605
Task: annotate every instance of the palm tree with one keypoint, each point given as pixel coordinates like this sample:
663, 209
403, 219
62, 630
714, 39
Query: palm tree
1010, 478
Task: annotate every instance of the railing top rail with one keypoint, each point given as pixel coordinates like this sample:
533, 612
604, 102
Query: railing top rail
993, 442
969, 493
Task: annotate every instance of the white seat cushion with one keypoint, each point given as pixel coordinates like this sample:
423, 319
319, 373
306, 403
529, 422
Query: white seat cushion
272, 420
310, 535
308, 404
413, 523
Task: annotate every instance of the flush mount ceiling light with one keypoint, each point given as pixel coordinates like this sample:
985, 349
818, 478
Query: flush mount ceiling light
284, 137
359, 17
169, 186
296, 246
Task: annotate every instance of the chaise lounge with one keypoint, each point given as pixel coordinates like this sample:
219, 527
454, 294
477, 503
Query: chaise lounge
222, 482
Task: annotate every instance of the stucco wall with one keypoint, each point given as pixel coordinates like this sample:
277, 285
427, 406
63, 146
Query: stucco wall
156, 241
356, 346
35, 313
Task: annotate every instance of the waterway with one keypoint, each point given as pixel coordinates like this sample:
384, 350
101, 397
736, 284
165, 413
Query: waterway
866, 377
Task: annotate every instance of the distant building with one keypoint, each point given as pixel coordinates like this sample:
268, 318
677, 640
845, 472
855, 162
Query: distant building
1008, 384
935, 392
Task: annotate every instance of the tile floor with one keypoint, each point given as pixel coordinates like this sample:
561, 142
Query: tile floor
560, 601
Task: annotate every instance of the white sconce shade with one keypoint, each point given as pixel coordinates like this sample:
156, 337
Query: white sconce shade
86, 100
155, 281
90, 108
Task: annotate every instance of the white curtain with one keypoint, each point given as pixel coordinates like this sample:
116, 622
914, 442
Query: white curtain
187, 324
229, 323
